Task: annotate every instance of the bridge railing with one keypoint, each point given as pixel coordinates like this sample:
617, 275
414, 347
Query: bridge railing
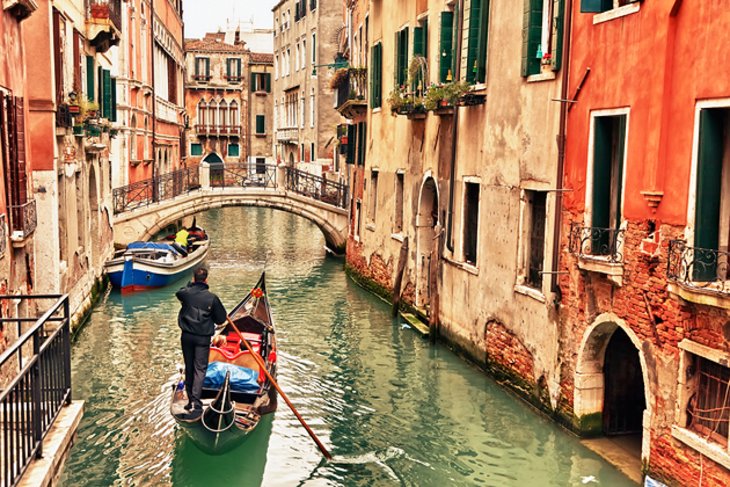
37, 373
316, 187
243, 175
159, 188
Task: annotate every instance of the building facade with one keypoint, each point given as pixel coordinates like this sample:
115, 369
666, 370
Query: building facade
646, 318
307, 34
261, 108
17, 200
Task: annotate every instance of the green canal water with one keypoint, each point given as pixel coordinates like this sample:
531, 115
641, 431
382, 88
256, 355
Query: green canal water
393, 409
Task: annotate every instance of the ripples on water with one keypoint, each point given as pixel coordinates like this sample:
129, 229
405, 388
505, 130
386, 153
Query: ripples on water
393, 409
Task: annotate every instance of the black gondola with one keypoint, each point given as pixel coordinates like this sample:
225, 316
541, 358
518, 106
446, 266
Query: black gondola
229, 415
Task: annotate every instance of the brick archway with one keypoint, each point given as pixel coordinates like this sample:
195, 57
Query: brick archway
589, 390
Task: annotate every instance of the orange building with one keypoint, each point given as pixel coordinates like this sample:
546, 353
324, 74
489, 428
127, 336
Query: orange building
17, 204
645, 233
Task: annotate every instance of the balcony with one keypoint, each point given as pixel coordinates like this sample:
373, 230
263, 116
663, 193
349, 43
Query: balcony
23, 221
218, 130
21, 9
599, 250
104, 23
352, 88
288, 134
202, 78
699, 275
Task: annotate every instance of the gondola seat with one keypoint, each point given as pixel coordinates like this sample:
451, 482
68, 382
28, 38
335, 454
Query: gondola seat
231, 352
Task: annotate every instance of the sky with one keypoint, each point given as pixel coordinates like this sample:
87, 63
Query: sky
203, 16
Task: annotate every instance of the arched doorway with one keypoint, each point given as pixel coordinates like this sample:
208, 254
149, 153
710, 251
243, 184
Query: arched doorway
623, 392
213, 158
426, 221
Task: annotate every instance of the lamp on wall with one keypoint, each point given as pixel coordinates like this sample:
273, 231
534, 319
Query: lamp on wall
340, 62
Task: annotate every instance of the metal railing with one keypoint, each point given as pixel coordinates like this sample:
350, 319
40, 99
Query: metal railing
23, 219
3, 234
354, 86
39, 364
316, 187
106, 10
243, 175
603, 243
160, 188
697, 268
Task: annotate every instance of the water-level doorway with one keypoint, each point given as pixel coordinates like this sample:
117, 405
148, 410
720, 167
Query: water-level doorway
623, 400
426, 221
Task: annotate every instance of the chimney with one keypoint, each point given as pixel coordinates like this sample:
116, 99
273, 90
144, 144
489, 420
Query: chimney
238, 36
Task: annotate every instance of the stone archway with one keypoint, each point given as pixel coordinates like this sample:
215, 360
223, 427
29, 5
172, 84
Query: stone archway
611, 366
426, 221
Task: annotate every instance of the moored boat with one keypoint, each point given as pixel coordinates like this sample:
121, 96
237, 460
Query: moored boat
147, 265
236, 391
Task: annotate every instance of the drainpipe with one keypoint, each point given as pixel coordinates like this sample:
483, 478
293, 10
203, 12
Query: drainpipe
155, 189
454, 130
564, 105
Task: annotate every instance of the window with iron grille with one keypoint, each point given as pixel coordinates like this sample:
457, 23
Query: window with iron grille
708, 410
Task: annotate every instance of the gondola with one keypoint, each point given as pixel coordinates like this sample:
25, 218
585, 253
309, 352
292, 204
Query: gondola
147, 265
232, 407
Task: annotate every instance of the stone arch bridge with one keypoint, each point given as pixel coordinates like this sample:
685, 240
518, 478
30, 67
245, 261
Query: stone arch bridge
144, 208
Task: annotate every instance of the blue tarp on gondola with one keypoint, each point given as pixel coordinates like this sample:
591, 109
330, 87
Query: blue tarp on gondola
242, 378
152, 246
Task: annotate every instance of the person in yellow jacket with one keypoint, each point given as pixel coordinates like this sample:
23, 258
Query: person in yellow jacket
181, 237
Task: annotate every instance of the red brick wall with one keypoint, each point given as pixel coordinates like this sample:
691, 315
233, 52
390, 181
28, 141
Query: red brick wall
684, 465
507, 351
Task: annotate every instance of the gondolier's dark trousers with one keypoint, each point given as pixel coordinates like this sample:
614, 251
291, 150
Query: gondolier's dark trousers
195, 350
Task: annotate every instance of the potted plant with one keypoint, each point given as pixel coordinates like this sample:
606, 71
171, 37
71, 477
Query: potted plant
340, 77
78, 130
396, 99
88, 110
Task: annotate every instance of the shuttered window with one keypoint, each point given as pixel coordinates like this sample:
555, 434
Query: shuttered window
234, 150
401, 56
361, 143
591, 6
260, 124
77, 61
714, 123
59, 29
12, 145
446, 47
171, 80
420, 49
196, 150
351, 143
106, 108
233, 69
90, 76
114, 100
542, 35
376, 76
471, 222
476, 53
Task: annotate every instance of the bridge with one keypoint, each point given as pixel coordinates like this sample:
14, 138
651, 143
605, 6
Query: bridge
146, 207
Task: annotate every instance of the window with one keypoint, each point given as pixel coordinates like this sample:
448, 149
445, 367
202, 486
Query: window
420, 51
351, 143
90, 70
301, 111
361, 141
301, 152
446, 48
314, 157
373, 195
59, 54
376, 77
276, 67
533, 236
260, 124
609, 136
12, 154
234, 121
304, 53
311, 108
261, 82
471, 221
357, 218
233, 69
398, 220
196, 149
401, 57
712, 204
314, 48
202, 69
542, 35
597, 6
296, 59
476, 46
234, 150
708, 408
312, 4
171, 80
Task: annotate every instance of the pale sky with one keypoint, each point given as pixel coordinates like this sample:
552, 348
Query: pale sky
203, 16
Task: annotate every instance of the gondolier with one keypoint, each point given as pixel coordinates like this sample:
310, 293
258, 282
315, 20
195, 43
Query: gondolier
201, 311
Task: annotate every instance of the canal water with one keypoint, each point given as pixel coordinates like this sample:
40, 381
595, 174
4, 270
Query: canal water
393, 409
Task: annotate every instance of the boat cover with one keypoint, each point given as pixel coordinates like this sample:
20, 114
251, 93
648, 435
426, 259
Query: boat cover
242, 378
152, 246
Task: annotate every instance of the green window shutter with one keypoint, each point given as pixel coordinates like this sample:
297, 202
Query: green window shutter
351, 142
254, 82
106, 109
90, 73
558, 14
446, 46
379, 79
424, 24
361, 143
531, 37
267, 80
196, 150
233, 150
418, 44
114, 100
260, 124
709, 193
197, 66
602, 141
375, 75
593, 6
472, 43
480, 75
401, 72
207, 66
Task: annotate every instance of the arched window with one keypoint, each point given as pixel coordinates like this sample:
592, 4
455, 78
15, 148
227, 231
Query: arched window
222, 114
146, 145
202, 109
233, 112
133, 139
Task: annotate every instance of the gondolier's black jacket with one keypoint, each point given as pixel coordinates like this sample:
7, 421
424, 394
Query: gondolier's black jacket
201, 309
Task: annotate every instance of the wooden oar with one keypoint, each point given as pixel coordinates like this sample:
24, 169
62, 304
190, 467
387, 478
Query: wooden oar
260, 361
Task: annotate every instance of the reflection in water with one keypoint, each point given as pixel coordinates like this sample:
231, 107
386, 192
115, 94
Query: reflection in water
393, 409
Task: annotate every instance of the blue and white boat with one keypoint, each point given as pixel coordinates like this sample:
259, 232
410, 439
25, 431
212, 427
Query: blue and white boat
147, 265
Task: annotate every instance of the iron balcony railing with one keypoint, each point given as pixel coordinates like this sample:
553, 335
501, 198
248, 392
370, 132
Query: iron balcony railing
23, 220
160, 188
316, 187
243, 175
353, 87
106, 10
38, 365
603, 243
697, 268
